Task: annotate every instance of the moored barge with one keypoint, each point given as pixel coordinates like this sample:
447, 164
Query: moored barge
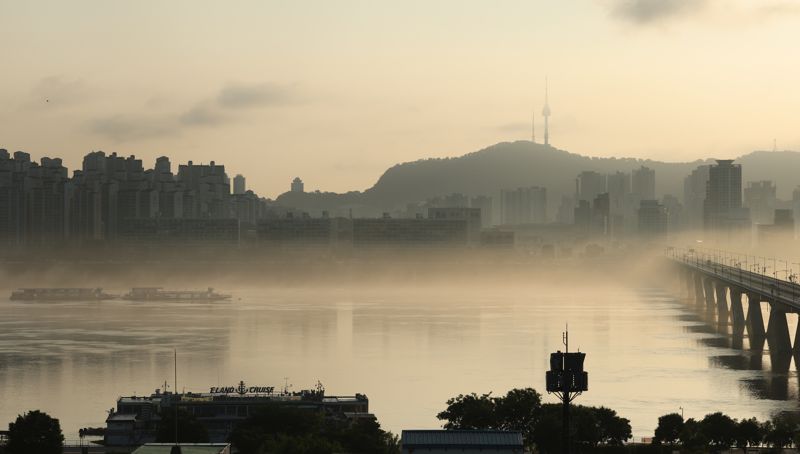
158, 294
60, 294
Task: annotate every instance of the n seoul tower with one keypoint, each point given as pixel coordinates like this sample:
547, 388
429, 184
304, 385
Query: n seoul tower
546, 115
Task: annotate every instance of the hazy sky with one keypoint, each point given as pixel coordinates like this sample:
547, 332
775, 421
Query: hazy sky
336, 91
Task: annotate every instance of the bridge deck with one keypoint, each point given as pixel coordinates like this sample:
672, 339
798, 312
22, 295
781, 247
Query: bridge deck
783, 292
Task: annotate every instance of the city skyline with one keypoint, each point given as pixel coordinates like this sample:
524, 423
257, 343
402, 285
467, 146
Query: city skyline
193, 85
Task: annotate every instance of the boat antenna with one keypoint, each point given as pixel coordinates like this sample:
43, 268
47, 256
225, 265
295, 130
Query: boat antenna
175, 394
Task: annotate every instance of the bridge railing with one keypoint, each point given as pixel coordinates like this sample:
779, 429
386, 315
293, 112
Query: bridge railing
759, 272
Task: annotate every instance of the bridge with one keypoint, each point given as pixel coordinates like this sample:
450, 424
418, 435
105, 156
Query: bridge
732, 289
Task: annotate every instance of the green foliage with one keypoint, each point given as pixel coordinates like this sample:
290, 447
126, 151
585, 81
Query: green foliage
522, 410
749, 432
693, 439
470, 411
613, 429
518, 410
280, 429
189, 429
781, 430
35, 432
720, 430
669, 429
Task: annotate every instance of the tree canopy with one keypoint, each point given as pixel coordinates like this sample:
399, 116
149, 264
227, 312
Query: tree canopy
35, 432
189, 429
280, 429
522, 410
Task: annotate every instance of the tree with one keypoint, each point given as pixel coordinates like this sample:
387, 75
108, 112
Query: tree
519, 410
190, 430
779, 432
614, 430
271, 423
692, 437
719, 429
35, 432
547, 432
749, 432
669, 429
280, 429
470, 411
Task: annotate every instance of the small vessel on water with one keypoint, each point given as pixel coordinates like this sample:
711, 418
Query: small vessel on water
60, 294
158, 294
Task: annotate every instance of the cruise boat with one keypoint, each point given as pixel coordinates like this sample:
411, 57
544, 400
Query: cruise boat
135, 419
158, 294
60, 294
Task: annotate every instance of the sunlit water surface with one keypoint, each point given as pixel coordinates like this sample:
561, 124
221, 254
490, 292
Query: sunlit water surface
407, 349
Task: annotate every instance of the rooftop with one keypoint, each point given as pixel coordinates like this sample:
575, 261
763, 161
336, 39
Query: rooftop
463, 438
186, 448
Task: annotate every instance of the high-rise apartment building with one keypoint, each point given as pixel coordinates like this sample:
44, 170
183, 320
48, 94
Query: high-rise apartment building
722, 209
760, 198
297, 185
524, 206
643, 183
694, 196
589, 184
239, 185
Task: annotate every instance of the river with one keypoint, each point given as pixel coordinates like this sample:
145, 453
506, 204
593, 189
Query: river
407, 348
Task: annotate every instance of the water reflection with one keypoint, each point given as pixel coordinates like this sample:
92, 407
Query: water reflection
408, 349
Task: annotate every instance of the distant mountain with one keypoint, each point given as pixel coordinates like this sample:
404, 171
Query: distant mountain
510, 165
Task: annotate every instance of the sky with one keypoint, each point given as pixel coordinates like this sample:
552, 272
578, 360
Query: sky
335, 92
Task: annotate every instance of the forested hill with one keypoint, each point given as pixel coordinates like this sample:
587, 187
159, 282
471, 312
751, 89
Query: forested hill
516, 164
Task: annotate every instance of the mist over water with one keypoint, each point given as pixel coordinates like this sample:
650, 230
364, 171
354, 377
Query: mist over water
408, 345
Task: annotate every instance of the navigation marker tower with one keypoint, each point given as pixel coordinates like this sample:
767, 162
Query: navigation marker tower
567, 380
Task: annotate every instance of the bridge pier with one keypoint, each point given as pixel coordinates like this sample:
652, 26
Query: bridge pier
737, 310
688, 282
737, 317
699, 297
722, 304
755, 322
711, 302
778, 331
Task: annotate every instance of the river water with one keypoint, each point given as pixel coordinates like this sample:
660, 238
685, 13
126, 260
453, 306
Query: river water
407, 349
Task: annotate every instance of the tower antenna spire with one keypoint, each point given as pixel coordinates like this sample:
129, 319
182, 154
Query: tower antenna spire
546, 113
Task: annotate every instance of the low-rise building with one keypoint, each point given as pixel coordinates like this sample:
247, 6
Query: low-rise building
185, 448
135, 420
466, 441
